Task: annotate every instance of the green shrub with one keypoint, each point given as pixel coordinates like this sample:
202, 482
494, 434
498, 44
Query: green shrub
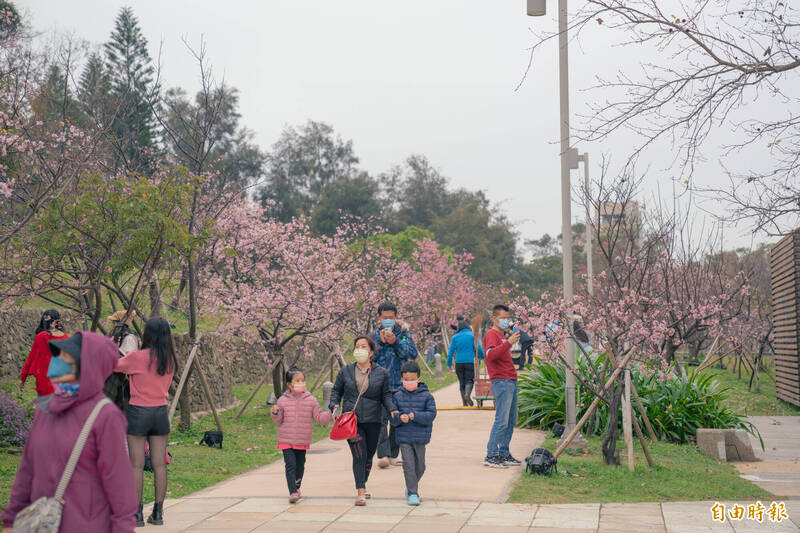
676, 407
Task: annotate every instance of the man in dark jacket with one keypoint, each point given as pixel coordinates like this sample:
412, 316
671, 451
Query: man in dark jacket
414, 423
394, 347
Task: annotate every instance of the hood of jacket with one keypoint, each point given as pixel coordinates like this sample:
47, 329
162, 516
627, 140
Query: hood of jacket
98, 359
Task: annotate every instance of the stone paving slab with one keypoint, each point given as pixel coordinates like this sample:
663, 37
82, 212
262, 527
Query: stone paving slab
394, 516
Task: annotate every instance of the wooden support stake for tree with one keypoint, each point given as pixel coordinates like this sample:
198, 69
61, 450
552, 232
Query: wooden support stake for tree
627, 412
319, 378
182, 382
207, 391
614, 375
641, 438
267, 375
643, 413
422, 360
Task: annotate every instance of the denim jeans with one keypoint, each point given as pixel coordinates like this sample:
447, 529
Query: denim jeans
505, 417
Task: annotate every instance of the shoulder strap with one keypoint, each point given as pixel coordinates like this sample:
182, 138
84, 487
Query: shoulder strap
77, 450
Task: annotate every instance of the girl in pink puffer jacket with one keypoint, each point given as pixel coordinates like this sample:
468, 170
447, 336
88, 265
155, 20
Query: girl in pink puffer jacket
294, 413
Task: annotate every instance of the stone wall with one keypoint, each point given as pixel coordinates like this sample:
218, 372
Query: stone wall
17, 329
217, 367
226, 361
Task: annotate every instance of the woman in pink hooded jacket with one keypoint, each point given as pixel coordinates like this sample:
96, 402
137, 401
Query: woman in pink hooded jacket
294, 413
101, 496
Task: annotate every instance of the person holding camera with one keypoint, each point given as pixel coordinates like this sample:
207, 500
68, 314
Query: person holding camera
394, 346
38, 361
503, 374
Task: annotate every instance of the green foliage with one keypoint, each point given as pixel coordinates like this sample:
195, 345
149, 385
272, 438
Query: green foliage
404, 243
354, 196
130, 73
302, 163
676, 406
681, 473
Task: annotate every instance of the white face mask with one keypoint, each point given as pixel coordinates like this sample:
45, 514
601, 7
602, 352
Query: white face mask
361, 355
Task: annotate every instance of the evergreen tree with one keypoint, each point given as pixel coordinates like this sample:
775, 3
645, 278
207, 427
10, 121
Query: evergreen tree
94, 92
130, 73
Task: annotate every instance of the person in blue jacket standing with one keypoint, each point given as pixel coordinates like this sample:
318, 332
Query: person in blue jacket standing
394, 347
413, 419
462, 346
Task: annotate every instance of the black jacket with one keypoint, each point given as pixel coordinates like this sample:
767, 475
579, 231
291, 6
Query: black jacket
376, 398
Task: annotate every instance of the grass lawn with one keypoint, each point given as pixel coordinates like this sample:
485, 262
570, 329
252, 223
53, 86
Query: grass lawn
748, 402
681, 473
249, 443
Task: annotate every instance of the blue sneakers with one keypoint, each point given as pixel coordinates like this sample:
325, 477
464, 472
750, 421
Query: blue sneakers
413, 499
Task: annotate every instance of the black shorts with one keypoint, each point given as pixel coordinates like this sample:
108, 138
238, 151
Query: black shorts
146, 421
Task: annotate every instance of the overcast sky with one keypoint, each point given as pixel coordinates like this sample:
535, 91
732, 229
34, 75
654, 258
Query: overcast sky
434, 77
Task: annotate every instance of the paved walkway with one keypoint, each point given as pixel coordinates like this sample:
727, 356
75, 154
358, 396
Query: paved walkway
459, 494
454, 461
778, 470
275, 515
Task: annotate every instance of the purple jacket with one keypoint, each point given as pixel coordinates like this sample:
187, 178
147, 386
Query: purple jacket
295, 417
101, 497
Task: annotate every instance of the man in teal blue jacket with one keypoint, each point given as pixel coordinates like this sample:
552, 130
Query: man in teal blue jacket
462, 346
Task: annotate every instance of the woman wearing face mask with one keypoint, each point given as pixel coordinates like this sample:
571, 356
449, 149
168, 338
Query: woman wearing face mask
100, 496
295, 412
38, 361
364, 387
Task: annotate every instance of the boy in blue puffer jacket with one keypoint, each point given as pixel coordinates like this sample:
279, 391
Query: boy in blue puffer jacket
414, 422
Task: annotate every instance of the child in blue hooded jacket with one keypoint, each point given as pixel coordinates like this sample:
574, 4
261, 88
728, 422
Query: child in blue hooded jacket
414, 423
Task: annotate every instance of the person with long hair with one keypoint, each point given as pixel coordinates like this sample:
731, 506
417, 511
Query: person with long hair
363, 387
150, 371
38, 360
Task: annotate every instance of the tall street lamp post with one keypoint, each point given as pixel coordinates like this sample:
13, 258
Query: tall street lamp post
569, 159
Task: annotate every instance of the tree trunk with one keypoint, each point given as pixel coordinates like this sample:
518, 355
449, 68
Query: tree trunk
186, 410
98, 307
155, 299
610, 440
278, 373
669, 352
694, 350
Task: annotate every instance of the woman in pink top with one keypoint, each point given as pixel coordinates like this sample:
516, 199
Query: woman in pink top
150, 370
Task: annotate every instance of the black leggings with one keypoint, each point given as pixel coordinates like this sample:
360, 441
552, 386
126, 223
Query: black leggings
295, 463
363, 447
466, 379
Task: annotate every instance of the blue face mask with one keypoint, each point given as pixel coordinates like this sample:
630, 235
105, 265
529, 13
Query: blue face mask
69, 389
387, 323
58, 367
504, 323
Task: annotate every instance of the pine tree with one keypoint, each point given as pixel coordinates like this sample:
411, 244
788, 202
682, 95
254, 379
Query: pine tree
130, 73
94, 91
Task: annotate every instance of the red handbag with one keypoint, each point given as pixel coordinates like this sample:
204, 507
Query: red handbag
344, 427
346, 424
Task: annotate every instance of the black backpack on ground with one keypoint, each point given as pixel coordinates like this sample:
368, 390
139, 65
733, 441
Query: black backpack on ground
541, 462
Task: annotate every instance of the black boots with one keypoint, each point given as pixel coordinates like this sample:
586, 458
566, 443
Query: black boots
157, 516
139, 517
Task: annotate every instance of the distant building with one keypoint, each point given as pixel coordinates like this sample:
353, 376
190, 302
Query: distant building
620, 219
614, 213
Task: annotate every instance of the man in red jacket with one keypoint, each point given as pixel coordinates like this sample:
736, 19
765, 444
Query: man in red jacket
503, 374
